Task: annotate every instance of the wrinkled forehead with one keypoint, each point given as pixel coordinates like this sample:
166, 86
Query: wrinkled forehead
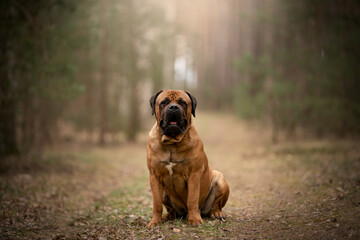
173, 95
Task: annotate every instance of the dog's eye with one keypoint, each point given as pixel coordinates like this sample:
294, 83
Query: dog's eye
182, 103
164, 102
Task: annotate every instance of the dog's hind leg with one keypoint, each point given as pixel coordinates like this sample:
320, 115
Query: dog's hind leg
221, 197
217, 197
173, 211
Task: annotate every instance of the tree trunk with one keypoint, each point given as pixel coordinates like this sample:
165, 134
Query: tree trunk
103, 75
8, 143
133, 77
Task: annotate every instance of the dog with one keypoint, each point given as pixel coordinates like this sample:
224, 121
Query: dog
180, 177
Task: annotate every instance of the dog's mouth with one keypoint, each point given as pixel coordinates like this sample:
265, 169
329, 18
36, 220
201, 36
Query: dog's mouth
173, 124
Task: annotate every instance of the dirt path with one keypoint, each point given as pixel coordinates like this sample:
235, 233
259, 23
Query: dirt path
303, 190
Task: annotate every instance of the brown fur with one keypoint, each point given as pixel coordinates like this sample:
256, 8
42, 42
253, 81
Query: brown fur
180, 177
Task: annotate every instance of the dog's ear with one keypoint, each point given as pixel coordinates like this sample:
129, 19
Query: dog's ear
193, 103
153, 101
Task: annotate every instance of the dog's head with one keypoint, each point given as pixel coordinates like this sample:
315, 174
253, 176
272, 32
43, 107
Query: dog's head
173, 109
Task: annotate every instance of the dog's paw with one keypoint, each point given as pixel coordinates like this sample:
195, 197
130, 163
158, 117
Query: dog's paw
153, 223
217, 215
195, 222
168, 217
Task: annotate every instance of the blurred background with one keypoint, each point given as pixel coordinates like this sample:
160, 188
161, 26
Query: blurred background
277, 84
89, 67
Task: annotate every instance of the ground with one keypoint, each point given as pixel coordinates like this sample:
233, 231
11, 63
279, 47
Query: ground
304, 189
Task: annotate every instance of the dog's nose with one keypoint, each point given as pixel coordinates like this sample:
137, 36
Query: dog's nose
173, 107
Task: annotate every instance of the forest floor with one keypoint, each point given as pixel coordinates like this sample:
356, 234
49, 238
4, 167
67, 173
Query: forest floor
304, 189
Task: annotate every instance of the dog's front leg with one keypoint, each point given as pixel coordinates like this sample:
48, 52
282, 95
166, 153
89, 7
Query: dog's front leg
157, 193
194, 217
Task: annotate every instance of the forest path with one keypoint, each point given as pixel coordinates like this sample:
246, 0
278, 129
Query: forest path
292, 190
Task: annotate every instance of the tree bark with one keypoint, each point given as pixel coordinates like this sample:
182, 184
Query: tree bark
103, 75
8, 143
133, 77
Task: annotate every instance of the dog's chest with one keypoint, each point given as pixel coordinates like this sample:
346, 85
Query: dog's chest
169, 167
173, 164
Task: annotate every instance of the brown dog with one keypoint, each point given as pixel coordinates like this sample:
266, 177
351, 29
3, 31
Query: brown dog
180, 177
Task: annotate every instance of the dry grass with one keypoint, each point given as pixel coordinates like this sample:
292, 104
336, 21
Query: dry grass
292, 190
